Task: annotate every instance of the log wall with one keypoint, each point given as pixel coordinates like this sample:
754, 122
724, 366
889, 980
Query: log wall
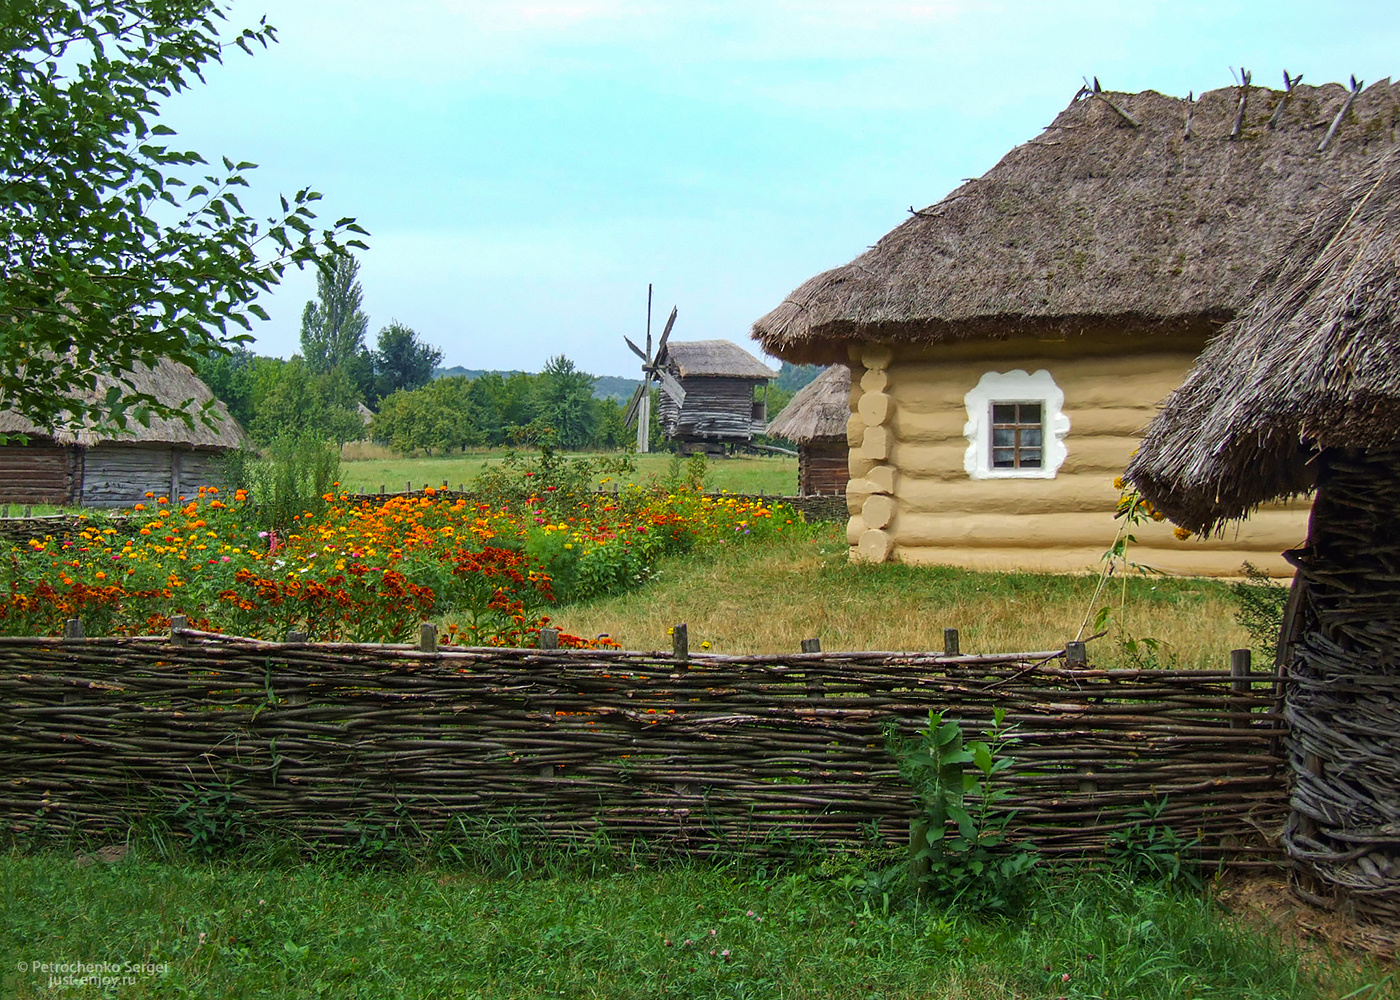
717, 753
910, 497
715, 408
38, 473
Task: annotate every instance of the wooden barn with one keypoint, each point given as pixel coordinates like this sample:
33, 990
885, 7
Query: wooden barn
87, 468
1009, 344
1301, 394
815, 420
719, 409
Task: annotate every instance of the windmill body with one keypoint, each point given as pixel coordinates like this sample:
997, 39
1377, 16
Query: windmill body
704, 391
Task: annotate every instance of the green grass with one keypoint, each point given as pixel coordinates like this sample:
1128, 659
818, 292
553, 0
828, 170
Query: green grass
768, 598
747, 474
328, 930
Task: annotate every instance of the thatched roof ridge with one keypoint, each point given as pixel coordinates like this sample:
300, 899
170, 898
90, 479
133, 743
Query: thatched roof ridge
1098, 224
1313, 363
820, 409
714, 358
168, 381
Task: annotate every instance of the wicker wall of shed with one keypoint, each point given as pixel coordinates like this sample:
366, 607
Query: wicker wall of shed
723, 753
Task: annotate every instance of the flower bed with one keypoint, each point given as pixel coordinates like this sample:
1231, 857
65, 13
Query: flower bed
366, 572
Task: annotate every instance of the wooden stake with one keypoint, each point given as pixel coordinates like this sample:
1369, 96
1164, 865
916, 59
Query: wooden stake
1239, 109
1336, 122
73, 628
178, 624
950, 642
680, 643
1076, 654
427, 637
293, 635
1239, 669
549, 638
1288, 84
811, 645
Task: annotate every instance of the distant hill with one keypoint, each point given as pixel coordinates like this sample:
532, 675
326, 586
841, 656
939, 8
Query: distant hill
606, 386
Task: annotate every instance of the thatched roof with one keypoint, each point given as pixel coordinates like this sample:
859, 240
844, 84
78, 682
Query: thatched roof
170, 382
1098, 224
714, 358
820, 409
1313, 363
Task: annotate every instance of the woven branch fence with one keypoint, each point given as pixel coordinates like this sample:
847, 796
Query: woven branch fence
713, 753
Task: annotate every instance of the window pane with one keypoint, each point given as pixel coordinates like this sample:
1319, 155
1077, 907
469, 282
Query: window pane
1030, 413
1030, 458
1003, 413
1030, 437
1003, 437
1003, 458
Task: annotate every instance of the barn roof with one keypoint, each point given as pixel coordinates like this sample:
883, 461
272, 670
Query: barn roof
1131, 213
715, 358
820, 409
1313, 363
168, 381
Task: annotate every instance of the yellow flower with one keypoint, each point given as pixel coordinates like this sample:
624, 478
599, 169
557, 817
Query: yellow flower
1181, 533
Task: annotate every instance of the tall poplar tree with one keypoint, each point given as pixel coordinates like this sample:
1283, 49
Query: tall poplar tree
333, 327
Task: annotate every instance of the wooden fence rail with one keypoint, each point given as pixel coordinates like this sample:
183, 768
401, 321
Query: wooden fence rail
698, 754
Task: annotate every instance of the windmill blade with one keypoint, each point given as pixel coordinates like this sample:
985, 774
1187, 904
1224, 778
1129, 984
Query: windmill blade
670, 386
637, 350
648, 320
635, 404
661, 346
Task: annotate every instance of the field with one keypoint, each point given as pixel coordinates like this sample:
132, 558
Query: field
366, 467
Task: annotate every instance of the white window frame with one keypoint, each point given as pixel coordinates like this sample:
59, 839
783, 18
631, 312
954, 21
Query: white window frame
1016, 386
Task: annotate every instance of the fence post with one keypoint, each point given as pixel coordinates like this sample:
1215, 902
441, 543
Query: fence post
73, 628
950, 642
680, 644
814, 687
1239, 685
811, 645
549, 638
1076, 654
293, 635
178, 624
28, 510
383, 490
408, 486
427, 637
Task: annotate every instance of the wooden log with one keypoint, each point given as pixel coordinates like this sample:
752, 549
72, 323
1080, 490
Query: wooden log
950, 642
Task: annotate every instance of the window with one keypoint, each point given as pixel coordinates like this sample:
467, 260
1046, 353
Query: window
1015, 428
1017, 435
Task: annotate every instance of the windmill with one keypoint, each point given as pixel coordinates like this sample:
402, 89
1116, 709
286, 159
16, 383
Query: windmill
653, 370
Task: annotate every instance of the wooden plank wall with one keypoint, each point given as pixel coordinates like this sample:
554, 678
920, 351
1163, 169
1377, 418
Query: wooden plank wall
714, 407
121, 475
822, 467
37, 473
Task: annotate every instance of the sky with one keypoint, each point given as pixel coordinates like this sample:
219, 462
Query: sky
526, 168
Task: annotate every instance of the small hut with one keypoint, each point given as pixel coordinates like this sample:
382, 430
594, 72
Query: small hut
719, 408
815, 420
1009, 344
1302, 393
110, 468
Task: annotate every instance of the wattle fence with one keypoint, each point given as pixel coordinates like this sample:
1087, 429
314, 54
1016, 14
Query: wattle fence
697, 755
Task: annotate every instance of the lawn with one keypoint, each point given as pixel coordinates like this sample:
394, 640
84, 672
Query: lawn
367, 468
599, 927
801, 585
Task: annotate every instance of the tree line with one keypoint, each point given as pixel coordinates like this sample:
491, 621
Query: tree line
339, 389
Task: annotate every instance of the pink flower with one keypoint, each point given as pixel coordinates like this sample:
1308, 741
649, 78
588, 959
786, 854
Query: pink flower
1064, 977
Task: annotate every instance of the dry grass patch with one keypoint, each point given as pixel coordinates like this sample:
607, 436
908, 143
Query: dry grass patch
768, 598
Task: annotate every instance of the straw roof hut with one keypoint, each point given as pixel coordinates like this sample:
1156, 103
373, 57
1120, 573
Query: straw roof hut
815, 420
1009, 343
106, 467
719, 409
1302, 392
